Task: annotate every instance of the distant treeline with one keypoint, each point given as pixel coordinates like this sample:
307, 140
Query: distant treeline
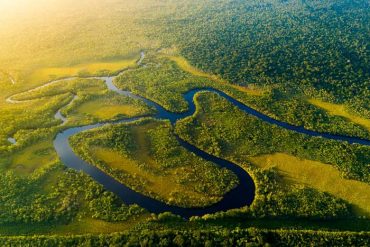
212, 237
319, 47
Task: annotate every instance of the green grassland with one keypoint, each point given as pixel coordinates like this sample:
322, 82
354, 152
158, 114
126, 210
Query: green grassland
184, 65
33, 157
83, 70
94, 103
319, 176
305, 63
55, 198
146, 156
340, 110
103, 106
44, 102
166, 77
38, 194
107, 107
244, 139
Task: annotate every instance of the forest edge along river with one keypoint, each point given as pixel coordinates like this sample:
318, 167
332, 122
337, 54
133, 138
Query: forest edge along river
240, 196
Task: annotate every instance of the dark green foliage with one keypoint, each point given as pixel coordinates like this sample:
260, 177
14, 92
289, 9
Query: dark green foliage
161, 81
294, 109
170, 158
211, 237
106, 206
322, 45
23, 201
297, 49
222, 129
117, 137
34, 200
169, 154
273, 200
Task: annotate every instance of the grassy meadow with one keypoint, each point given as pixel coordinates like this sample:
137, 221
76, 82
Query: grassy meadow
39, 195
238, 138
278, 57
82, 70
342, 111
148, 158
104, 106
184, 65
317, 175
33, 157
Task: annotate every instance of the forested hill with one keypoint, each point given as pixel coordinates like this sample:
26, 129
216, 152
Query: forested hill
320, 45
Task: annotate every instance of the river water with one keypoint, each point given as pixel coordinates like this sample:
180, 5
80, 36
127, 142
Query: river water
242, 195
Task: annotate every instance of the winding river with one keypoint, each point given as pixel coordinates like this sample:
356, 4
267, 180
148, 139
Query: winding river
238, 197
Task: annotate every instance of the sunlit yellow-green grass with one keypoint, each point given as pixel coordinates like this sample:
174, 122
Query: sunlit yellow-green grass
322, 177
340, 110
103, 110
163, 184
186, 66
89, 225
88, 69
33, 157
84, 225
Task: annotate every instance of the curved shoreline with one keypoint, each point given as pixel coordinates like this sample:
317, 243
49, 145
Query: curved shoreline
238, 197
59, 114
242, 195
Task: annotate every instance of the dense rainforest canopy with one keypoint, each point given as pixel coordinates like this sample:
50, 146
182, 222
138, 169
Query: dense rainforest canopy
305, 63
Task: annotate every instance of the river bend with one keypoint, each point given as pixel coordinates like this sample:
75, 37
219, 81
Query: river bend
242, 195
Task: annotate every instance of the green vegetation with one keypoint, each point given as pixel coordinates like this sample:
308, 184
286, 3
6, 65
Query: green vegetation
82, 70
162, 81
38, 195
240, 138
224, 130
340, 110
104, 106
302, 62
73, 86
296, 110
45, 101
211, 237
317, 175
281, 201
183, 64
299, 50
33, 157
146, 156
60, 196
311, 47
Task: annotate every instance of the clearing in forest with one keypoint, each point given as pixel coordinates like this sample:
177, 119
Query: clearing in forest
186, 66
320, 176
340, 110
147, 157
87, 69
